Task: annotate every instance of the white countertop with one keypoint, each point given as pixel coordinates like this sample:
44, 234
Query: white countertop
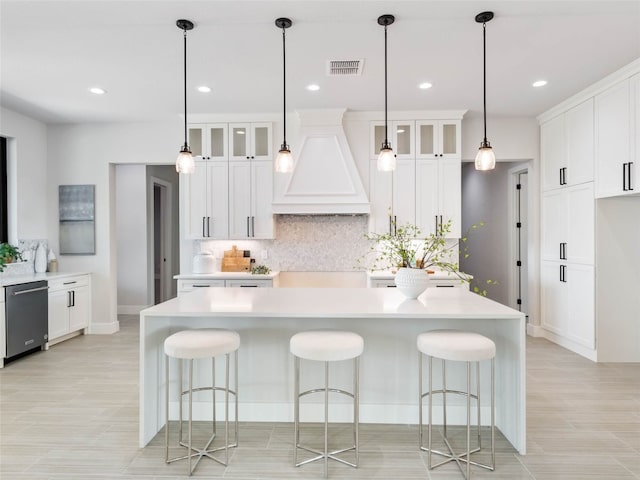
34, 277
331, 303
226, 276
437, 275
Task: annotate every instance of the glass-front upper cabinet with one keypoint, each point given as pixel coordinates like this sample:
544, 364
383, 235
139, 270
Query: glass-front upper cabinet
208, 141
250, 141
438, 139
400, 135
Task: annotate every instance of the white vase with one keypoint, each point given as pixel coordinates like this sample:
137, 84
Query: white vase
40, 262
411, 281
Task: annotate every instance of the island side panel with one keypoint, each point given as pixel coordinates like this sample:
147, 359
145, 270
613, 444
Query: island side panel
389, 365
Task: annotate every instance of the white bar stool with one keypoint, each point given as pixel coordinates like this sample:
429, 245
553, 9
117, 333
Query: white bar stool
462, 347
326, 346
191, 345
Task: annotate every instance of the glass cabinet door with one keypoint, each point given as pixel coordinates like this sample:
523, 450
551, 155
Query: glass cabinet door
261, 141
399, 134
196, 136
449, 136
217, 141
239, 141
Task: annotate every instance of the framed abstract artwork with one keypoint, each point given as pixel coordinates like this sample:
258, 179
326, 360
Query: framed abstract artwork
76, 206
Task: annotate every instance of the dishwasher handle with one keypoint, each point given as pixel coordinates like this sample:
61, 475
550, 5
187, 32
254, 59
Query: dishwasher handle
30, 290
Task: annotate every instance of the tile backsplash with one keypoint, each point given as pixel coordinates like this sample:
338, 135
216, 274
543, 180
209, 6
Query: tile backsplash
28, 250
306, 243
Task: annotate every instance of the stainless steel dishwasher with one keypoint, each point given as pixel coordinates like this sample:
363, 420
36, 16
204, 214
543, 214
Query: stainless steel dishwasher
27, 307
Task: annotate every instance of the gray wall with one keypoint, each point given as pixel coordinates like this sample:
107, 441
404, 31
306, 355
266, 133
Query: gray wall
485, 199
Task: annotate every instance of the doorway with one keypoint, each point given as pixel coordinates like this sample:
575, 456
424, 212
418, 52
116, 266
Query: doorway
162, 243
518, 238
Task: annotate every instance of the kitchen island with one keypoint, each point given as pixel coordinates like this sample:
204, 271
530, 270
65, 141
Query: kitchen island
389, 324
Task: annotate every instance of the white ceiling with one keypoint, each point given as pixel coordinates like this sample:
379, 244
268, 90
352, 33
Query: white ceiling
52, 51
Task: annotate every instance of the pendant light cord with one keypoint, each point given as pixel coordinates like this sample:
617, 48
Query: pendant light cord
386, 137
284, 89
186, 146
484, 77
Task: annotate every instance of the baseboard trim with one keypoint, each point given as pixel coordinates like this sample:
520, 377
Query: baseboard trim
589, 353
535, 330
104, 328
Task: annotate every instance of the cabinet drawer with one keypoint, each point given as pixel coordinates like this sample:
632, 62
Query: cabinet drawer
189, 285
250, 283
68, 283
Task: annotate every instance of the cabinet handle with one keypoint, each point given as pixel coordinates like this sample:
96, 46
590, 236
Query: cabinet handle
390, 224
629, 176
253, 226
441, 222
248, 286
248, 227
73, 298
436, 230
391, 286
70, 283
624, 177
200, 286
69, 299
563, 251
395, 225
208, 229
203, 227
563, 273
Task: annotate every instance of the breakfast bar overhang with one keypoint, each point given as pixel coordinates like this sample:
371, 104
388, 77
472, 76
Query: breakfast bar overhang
266, 318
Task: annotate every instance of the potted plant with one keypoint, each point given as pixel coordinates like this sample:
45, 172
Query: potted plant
8, 254
413, 253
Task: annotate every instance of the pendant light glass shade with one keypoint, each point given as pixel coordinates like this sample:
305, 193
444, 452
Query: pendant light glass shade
284, 160
485, 159
184, 162
386, 158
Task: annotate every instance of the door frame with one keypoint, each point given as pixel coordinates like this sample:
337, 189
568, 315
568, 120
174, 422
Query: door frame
513, 273
166, 200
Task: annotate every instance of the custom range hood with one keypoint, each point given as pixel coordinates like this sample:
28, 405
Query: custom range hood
325, 179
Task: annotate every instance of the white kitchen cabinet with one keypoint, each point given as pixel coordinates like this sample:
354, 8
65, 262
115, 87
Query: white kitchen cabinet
205, 205
438, 139
617, 112
69, 306
249, 283
189, 285
567, 147
250, 199
250, 141
567, 224
438, 195
392, 196
185, 286
400, 134
567, 301
208, 141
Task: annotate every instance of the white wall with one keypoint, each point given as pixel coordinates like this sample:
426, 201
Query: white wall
27, 176
511, 138
85, 154
131, 235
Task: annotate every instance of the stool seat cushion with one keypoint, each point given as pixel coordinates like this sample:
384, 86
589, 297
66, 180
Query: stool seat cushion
201, 343
456, 345
326, 345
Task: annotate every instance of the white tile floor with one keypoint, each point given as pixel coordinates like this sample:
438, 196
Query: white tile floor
71, 413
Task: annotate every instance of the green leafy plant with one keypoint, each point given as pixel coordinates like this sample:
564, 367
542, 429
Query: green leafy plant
408, 247
8, 254
260, 270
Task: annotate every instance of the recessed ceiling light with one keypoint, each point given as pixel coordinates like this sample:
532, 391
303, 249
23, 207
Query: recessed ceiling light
425, 86
539, 83
204, 89
97, 90
313, 87
400, 130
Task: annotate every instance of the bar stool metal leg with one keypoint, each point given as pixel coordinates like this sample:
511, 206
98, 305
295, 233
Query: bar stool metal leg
326, 419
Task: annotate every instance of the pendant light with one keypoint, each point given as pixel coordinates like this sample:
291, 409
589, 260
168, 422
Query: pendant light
485, 159
284, 160
386, 158
185, 163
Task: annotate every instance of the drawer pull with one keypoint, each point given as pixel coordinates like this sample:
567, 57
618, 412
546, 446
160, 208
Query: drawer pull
200, 286
70, 283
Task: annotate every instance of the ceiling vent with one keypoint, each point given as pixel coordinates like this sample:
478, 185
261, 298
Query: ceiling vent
344, 68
